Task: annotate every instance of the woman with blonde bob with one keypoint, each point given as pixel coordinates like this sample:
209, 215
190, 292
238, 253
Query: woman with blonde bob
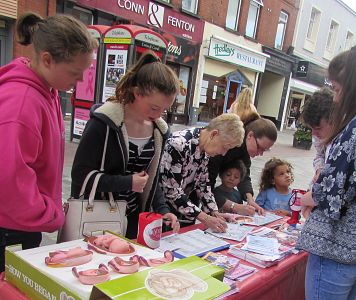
244, 107
184, 169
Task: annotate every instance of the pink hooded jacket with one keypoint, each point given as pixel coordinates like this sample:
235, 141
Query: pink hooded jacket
31, 151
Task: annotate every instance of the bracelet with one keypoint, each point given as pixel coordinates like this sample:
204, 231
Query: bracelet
206, 218
232, 206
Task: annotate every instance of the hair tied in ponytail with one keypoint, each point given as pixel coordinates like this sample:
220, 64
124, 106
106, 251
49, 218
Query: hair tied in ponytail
150, 58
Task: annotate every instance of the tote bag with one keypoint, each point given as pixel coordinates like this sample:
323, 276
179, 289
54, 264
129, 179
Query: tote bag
87, 217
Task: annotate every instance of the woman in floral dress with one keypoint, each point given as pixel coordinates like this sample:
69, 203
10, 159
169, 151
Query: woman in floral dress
184, 169
329, 234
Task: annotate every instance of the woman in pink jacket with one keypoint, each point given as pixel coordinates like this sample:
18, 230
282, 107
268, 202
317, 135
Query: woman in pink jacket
31, 126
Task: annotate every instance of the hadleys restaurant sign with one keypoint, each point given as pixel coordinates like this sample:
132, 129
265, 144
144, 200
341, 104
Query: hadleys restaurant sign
237, 55
152, 14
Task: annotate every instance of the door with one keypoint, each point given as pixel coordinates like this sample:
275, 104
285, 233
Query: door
233, 89
2, 50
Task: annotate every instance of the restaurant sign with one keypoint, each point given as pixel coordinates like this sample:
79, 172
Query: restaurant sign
152, 14
237, 55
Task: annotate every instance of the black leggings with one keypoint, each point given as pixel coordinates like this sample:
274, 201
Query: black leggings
10, 237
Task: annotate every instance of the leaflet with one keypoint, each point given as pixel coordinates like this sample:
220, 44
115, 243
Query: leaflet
236, 232
194, 242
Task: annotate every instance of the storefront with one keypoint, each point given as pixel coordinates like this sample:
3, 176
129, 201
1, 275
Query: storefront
272, 91
307, 78
183, 33
225, 67
8, 16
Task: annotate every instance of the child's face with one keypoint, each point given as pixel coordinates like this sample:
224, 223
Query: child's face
282, 176
322, 131
231, 178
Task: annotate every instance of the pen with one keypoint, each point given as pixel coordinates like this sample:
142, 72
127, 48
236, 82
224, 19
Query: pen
180, 221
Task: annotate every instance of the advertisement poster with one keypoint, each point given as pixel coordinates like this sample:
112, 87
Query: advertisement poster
85, 89
115, 68
81, 117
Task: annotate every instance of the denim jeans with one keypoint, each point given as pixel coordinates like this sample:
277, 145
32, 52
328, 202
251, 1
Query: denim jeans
327, 279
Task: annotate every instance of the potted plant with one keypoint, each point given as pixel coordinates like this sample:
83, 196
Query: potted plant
302, 137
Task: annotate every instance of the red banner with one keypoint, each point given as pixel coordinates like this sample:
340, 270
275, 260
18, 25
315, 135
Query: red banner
152, 14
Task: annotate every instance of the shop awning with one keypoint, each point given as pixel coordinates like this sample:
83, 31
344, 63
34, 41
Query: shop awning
301, 86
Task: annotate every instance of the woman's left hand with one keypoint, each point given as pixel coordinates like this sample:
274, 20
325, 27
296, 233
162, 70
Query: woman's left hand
172, 221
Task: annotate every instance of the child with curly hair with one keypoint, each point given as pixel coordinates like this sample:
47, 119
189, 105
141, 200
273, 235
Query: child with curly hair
275, 191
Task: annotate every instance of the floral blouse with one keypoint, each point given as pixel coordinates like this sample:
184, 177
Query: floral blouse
330, 231
184, 167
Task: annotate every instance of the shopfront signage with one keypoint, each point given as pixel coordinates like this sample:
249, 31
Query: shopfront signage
302, 68
181, 50
152, 14
234, 54
150, 39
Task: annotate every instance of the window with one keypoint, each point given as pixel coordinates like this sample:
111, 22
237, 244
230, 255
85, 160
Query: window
190, 5
232, 17
330, 43
252, 18
281, 30
313, 28
83, 15
349, 40
313, 24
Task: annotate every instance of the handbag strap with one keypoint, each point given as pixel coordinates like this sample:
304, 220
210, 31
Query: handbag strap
97, 177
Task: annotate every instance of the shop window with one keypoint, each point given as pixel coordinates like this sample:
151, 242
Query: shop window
83, 15
183, 73
349, 42
331, 41
252, 18
233, 12
313, 29
212, 97
281, 30
190, 5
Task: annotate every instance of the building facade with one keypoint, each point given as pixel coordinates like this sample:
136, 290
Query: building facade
321, 34
244, 45
182, 30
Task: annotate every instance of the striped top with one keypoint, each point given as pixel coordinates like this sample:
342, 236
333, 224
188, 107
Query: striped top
139, 160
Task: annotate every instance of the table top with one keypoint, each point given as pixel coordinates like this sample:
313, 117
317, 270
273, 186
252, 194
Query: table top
285, 280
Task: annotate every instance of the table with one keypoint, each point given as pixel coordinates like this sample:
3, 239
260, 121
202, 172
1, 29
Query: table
283, 281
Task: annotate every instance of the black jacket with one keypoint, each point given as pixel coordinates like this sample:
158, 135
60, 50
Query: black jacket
237, 153
89, 154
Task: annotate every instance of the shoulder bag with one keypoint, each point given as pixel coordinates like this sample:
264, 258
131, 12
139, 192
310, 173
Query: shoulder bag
87, 217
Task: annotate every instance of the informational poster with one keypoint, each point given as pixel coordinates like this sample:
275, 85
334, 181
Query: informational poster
115, 68
81, 117
85, 89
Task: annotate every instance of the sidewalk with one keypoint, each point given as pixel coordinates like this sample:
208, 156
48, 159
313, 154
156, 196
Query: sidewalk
301, 160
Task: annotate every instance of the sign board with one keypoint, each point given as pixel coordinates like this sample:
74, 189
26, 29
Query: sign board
234, 54
151, 14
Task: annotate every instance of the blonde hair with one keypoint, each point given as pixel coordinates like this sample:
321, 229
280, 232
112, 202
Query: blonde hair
148, 74
230, 128
62, 36
244, 107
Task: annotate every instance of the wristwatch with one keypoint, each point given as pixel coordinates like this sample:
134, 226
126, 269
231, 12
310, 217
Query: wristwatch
232, 206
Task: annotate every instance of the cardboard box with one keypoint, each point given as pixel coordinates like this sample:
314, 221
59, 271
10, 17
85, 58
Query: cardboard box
28, 272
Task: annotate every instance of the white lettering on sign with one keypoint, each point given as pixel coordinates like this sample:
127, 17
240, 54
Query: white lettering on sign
181, 24
237, 55
132, 6
32, 284
177, 50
